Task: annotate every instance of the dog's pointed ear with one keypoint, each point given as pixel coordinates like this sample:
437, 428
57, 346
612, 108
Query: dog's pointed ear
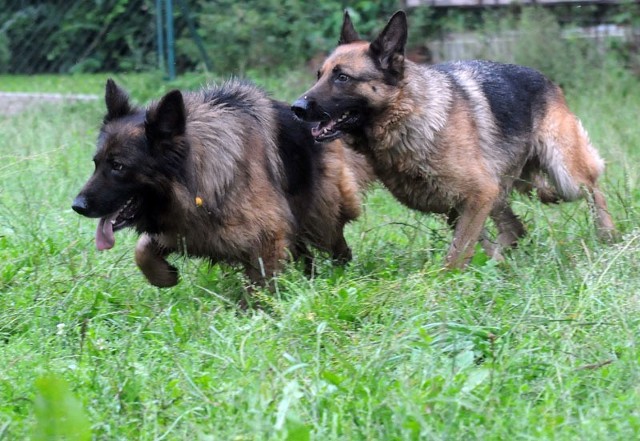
117, 101
167, 118
348, 33
389, 47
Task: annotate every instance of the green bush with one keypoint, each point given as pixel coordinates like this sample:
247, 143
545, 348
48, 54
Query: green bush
270, 33
59, 36
541, 45
120, 35
534, 36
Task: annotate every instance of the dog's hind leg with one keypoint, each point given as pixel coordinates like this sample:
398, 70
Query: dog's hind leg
604, 223
268, 259
469, 226
302, 253
150, 258
510, 228
538, 183
490, 248
340, 251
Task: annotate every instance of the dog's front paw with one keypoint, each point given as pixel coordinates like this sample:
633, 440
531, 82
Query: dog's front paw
150, 259
164, 276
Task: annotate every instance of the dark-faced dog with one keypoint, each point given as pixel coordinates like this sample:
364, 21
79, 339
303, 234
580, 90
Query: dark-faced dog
454, 138
225, 173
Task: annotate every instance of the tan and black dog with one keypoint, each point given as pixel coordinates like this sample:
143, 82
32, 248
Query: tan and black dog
454, 138
225, 173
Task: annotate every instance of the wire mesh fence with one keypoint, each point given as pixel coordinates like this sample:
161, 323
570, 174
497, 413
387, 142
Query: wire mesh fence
61, 36
230, 36
67, 36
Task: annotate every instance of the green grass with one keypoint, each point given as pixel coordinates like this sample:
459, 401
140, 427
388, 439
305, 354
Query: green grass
543, 346
144, 86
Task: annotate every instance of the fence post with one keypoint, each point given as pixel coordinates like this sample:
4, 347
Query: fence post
160, 35
194, 35
171, 59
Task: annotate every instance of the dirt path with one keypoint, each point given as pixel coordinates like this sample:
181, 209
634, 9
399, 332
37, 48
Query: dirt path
15, 102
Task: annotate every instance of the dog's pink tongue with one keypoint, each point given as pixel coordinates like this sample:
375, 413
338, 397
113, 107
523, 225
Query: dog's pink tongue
316, 131
321, 127
105, 239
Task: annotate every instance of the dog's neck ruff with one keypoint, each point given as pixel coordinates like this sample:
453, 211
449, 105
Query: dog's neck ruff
418, 113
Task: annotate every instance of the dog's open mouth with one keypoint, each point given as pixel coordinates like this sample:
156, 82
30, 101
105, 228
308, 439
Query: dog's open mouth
330, 129
125, 216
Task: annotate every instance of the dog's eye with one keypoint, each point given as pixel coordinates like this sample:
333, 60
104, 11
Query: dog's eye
342, 78
116, 166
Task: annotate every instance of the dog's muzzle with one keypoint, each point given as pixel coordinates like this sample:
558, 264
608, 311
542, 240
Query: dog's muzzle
303, 108
80, 205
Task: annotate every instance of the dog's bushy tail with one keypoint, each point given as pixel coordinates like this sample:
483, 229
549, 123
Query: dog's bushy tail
566, 155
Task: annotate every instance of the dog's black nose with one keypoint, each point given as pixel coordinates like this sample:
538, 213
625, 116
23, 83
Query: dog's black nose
301, 108
80, 205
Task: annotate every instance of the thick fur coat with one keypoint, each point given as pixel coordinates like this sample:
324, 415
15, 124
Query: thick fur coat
454, 138
225, 173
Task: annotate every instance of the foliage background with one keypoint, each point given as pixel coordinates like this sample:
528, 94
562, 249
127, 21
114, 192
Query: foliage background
119, 35
59, 36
